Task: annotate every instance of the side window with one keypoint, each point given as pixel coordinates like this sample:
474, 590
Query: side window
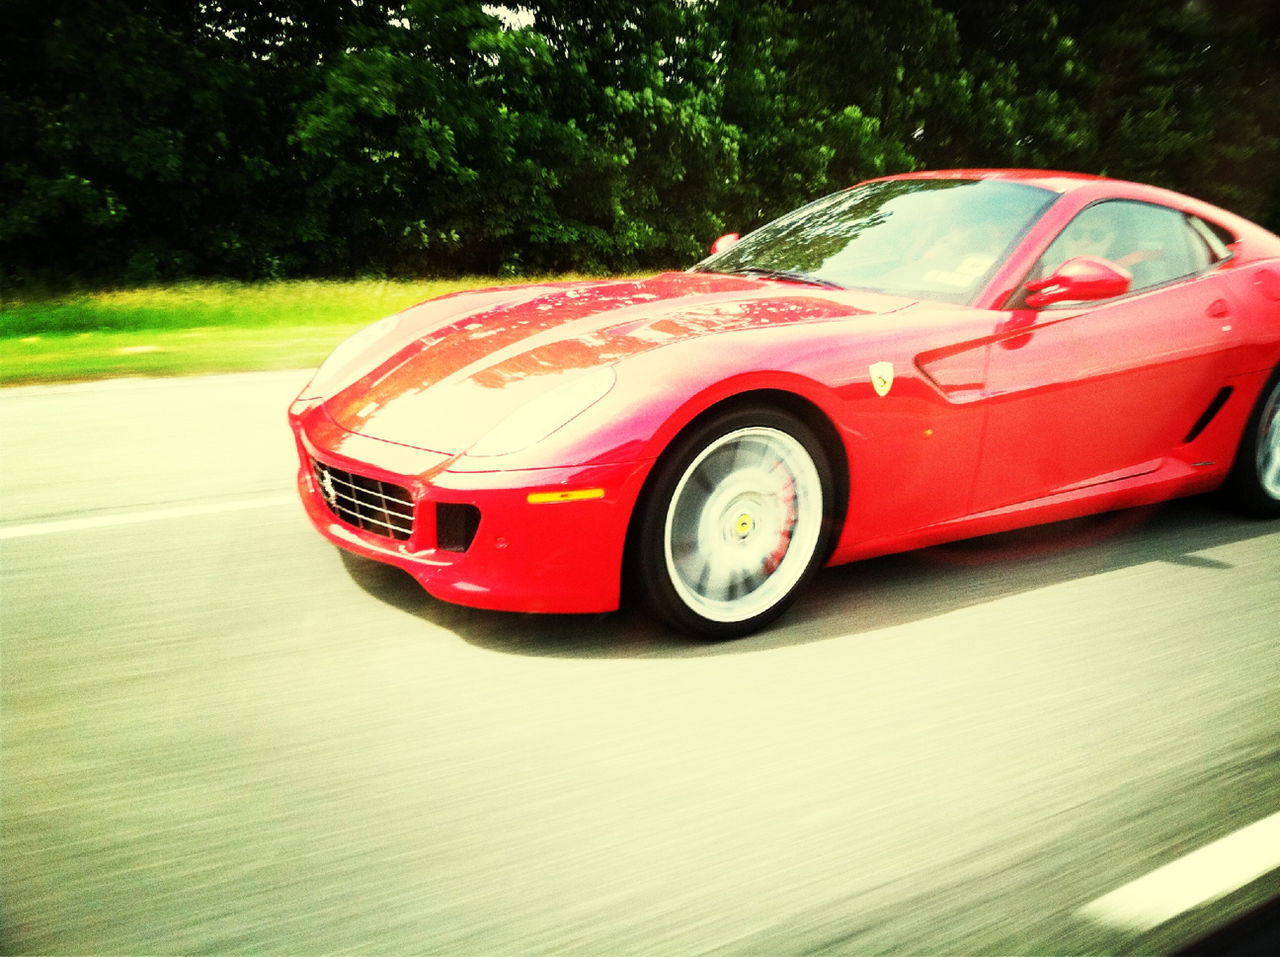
1155, 243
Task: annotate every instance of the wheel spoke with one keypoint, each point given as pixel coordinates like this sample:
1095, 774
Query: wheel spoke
743, 453
717, 582
753, 578
704, 578
734, 589
692, 564
769, 459
718, 466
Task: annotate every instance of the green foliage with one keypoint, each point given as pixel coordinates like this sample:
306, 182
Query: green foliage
251, 139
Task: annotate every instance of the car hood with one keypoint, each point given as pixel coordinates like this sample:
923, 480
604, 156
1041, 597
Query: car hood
455, 367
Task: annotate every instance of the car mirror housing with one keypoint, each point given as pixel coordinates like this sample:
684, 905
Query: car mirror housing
724, 242
1083, 279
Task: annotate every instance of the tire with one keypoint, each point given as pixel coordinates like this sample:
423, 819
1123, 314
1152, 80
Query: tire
737, 518
1254, 484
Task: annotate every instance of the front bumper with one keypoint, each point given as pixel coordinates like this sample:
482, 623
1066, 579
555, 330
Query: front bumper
558, 553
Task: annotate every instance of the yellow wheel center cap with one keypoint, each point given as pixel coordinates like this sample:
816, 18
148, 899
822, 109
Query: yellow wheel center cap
744, 524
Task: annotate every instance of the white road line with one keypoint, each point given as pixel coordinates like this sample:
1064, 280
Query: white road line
90, 522
1198, 878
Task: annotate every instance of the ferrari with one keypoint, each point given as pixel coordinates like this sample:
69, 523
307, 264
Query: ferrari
910, 361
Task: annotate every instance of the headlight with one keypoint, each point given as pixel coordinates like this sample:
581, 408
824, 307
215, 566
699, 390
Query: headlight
545, 414
323, 382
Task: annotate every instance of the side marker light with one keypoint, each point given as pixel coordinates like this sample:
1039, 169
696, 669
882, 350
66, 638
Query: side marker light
568, 495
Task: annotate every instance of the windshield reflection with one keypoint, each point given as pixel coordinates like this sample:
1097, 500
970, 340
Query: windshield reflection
924, 238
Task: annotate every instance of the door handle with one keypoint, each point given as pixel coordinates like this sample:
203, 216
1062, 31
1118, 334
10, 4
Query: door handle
1219, 309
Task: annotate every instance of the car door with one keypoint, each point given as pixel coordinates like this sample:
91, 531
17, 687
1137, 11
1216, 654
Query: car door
1084, 393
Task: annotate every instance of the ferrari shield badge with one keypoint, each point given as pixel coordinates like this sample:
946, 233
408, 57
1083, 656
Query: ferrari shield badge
326, 487
882, 377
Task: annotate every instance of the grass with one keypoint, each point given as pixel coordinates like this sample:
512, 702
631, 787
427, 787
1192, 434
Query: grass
108, 355
194, 328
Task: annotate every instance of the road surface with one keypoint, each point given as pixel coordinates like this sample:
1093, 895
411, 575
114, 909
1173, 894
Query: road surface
221, 735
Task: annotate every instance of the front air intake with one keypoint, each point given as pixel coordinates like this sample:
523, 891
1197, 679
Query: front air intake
456, 526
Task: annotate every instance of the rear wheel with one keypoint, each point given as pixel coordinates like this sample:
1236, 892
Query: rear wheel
1254, 484
736, 520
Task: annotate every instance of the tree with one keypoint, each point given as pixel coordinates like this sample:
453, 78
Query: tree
148, 139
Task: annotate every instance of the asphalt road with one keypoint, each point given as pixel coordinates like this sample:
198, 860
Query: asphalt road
220, 735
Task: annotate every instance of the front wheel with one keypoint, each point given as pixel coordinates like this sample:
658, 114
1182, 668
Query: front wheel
1254, 484
737, 518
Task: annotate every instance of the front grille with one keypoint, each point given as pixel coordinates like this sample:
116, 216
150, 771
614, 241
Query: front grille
382, 508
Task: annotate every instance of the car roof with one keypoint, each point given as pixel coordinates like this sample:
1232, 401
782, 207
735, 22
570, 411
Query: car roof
1091, 188
1059, 181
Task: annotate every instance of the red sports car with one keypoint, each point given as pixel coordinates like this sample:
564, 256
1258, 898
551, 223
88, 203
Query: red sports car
913, 360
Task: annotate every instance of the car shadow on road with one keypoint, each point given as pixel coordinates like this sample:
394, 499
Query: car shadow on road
861, 597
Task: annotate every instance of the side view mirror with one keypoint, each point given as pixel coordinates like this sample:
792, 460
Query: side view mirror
724, 242
1084, 279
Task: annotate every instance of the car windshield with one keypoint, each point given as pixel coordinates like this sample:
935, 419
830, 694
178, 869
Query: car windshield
923, 238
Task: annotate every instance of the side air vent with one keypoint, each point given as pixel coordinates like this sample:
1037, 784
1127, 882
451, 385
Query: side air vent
1207, 416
